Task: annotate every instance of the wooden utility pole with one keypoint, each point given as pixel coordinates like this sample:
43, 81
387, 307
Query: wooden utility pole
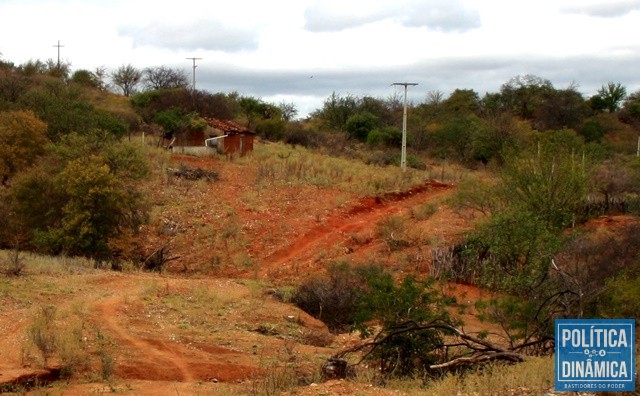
58, 46
403, 155
193, 84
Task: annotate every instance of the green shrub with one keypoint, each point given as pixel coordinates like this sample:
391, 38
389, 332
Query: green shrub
361, 297
272, 129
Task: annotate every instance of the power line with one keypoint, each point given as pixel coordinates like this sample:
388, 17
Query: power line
193, 85
403, 156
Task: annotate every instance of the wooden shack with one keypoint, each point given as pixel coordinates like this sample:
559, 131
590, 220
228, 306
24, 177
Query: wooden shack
221, 136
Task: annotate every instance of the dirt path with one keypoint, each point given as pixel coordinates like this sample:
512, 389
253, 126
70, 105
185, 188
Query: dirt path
158, 354
338, 228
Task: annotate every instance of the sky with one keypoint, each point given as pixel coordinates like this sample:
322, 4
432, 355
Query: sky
302, 51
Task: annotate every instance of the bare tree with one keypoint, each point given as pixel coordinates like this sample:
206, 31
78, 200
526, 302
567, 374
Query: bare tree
162, 77
126, 78
288, 110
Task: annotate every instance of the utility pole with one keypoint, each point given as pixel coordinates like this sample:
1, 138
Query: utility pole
403, 156
193, 84
58, 45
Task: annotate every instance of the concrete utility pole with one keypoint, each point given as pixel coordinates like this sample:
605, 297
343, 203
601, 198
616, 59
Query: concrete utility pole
193, 84
403, 156
58, 45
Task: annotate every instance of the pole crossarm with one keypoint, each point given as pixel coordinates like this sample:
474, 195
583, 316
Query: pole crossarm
58, 46
403, 156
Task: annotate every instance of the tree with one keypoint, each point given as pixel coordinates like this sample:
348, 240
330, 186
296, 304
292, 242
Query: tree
205, 104
22, 139
162, 77
564, 108
613, 178
288, 110
609, 97
523, 95
127, 78
359, 125
85, 78
549, 184
462, 101
631, 109
336, 110
82, 195
256, 110
454, 138
64, 111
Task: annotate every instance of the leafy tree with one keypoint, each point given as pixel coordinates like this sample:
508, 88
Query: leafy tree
336, 110
592, 130
251, 108
398, 306
61, 107
82, 195
454, 139
171, 120
163, 77
523, 95
126, 77
58, 69
462, 102
359, 125
561, 109
384, 110
33, 67
550, 184
12, 84
22, 139
609, 97
631, 110
272, 129
205, 104
86, 78
385, 135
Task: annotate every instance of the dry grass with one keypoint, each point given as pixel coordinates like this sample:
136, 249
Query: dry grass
532, 378
279, 164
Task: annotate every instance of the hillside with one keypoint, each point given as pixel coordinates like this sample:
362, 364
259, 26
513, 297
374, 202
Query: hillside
211, 317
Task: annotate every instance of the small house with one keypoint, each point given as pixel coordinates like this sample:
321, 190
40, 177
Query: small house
220, 136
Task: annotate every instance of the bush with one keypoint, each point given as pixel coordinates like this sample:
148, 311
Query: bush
331, 298
361, 297
359, 125
81, 195
387, 136
271, 129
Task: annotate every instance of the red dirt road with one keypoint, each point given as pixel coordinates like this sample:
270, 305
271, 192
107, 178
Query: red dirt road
338, 228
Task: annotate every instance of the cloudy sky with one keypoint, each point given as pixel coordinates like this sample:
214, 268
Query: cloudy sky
303, 50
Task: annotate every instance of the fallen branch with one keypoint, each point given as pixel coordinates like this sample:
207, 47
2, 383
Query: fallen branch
478, 350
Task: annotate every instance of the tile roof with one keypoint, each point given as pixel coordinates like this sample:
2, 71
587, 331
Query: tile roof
227, 126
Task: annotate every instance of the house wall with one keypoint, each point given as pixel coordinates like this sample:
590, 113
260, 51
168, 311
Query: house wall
190, 138
239, 143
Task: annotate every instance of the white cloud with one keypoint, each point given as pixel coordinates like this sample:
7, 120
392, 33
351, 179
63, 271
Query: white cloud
270, 49
207, 35
331, 16
608, 9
